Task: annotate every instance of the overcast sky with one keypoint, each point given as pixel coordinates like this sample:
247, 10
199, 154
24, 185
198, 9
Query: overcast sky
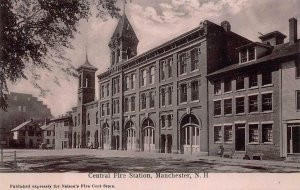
157, 21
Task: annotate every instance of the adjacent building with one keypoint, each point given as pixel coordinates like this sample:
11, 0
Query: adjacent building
27, 135
21, 108
49, 134
62, 134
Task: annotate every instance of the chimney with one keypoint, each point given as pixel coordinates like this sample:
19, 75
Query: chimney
293, 30
226, 25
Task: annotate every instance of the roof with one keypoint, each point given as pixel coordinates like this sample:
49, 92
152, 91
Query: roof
21, 125
255, 44
45, 127
271, 35
87, 65
123, 27
66, 117
280, 51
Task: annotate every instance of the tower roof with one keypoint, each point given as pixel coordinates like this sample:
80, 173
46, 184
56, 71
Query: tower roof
87, 65
124, 28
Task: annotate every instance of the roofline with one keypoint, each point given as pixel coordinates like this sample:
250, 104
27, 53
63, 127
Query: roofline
257, 62
254, 44
158, 47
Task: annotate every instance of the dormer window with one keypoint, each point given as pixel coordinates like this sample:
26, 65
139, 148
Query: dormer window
247, 54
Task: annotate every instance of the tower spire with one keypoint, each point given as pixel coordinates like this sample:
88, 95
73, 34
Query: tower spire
124, 6
86, 54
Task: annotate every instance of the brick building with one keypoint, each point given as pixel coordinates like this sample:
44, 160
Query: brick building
171, 99
254, 103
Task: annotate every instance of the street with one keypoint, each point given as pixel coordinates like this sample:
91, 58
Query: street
89, 160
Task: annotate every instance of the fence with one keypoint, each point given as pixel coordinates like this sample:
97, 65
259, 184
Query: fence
8, 156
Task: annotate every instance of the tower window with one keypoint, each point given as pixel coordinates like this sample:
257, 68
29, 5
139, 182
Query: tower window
88, 81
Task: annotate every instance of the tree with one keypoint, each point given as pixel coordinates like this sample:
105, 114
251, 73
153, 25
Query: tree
35, 33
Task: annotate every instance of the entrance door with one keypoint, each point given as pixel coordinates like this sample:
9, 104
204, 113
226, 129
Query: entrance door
240, 137
149, 144
293, 143
169, 144
106, 138
163, 144
130, 134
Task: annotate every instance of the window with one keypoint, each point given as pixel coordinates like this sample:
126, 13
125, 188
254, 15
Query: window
252, 80
169, 121
48, 141
162, 70
133, 81
163, 97
227, 106
182, 63
132, 103
143, 99
144, 77
194, 59
240, 106
217, 134
195, 90
116, 85
75, 121
266, 78
253, 103
118, 55
66, 134
163, 121
251, 53
253, 133
151, 94
113, 55
267, 133
227, 85
243, 54
298, 99
20, 108
169, 65
118, 106
48, 133
97, 117
183, 93
107, 109
266, 100
126, 86
88, 119
151, 79
170, 95
228, 133
126, 105
217, 87
79, 119
240, 83
107, 89
217, 107
114, 108
102, 110
102, 91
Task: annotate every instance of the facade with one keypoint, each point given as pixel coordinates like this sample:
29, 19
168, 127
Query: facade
62, 134
21, 108
49, 134
255, 102
27, 135
207, 90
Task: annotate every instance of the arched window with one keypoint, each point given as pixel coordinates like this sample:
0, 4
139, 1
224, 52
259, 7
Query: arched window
144, 99
79, 79
88, 81
88, 119
144, 77
152, 76
97, 119
126, 105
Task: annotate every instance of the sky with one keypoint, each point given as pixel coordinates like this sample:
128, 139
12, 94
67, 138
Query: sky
155, 22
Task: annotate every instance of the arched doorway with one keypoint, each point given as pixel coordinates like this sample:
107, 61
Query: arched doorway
105, 136
96, 145
130, 136
148, 134
190, 134
75, 140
